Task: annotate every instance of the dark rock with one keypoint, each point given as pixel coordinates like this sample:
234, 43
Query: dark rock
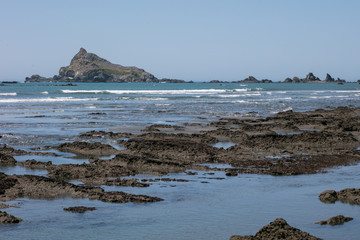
328, 196
266, 81
6, 218
311, 78
328, 78
288, 80
337, 220
6, 160
278, 229
249, 79
79, 209
231, 174
6, 183
347, 195
169, 80
38, 78
296, 80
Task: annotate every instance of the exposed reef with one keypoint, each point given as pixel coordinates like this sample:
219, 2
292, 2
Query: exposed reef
286, 143
19, 186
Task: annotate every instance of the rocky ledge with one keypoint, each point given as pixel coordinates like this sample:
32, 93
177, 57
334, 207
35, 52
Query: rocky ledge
278, 229
30, 186
88, 67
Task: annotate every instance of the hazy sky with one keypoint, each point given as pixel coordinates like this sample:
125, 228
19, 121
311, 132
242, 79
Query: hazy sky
198, 40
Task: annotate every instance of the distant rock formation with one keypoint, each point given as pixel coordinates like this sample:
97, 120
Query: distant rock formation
328, 78
311, 78
252, 79
88, 67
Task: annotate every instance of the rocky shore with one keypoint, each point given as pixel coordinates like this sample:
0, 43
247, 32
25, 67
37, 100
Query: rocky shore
286, 143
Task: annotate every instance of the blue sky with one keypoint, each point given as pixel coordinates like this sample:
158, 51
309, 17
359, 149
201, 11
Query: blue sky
198, 40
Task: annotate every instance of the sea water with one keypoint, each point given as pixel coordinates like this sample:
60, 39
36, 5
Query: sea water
42, 114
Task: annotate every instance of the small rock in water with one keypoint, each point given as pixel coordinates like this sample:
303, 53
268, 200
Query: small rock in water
6, 218
79, 209
328, 196
278, 229
337, 220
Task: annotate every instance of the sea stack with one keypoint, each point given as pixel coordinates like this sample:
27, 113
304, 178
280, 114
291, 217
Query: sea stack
88, 67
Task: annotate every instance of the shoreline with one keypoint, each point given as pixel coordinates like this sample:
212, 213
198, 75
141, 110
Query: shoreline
284, 144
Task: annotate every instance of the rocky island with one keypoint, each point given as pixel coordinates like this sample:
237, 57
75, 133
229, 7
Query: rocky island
311, 78
88, 67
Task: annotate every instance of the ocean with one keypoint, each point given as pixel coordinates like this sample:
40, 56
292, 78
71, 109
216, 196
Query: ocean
46, 114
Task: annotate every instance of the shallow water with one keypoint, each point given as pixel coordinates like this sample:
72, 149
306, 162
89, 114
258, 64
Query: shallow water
37, 115
195, 210
224, 145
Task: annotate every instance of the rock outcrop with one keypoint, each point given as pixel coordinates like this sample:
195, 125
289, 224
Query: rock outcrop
252, 79
311, 78
337, 220
79, 209
278, 229
347, 195
328, 78
6, 218
88, 67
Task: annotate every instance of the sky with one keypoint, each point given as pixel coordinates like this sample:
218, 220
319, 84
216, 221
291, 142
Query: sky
199, 40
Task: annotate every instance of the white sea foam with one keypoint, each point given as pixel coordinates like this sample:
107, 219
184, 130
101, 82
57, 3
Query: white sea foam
151, 99
45, 92
322, 97
8, 94
228, 96
162, 104
179, 92
285, 110
285, 98
59, 99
